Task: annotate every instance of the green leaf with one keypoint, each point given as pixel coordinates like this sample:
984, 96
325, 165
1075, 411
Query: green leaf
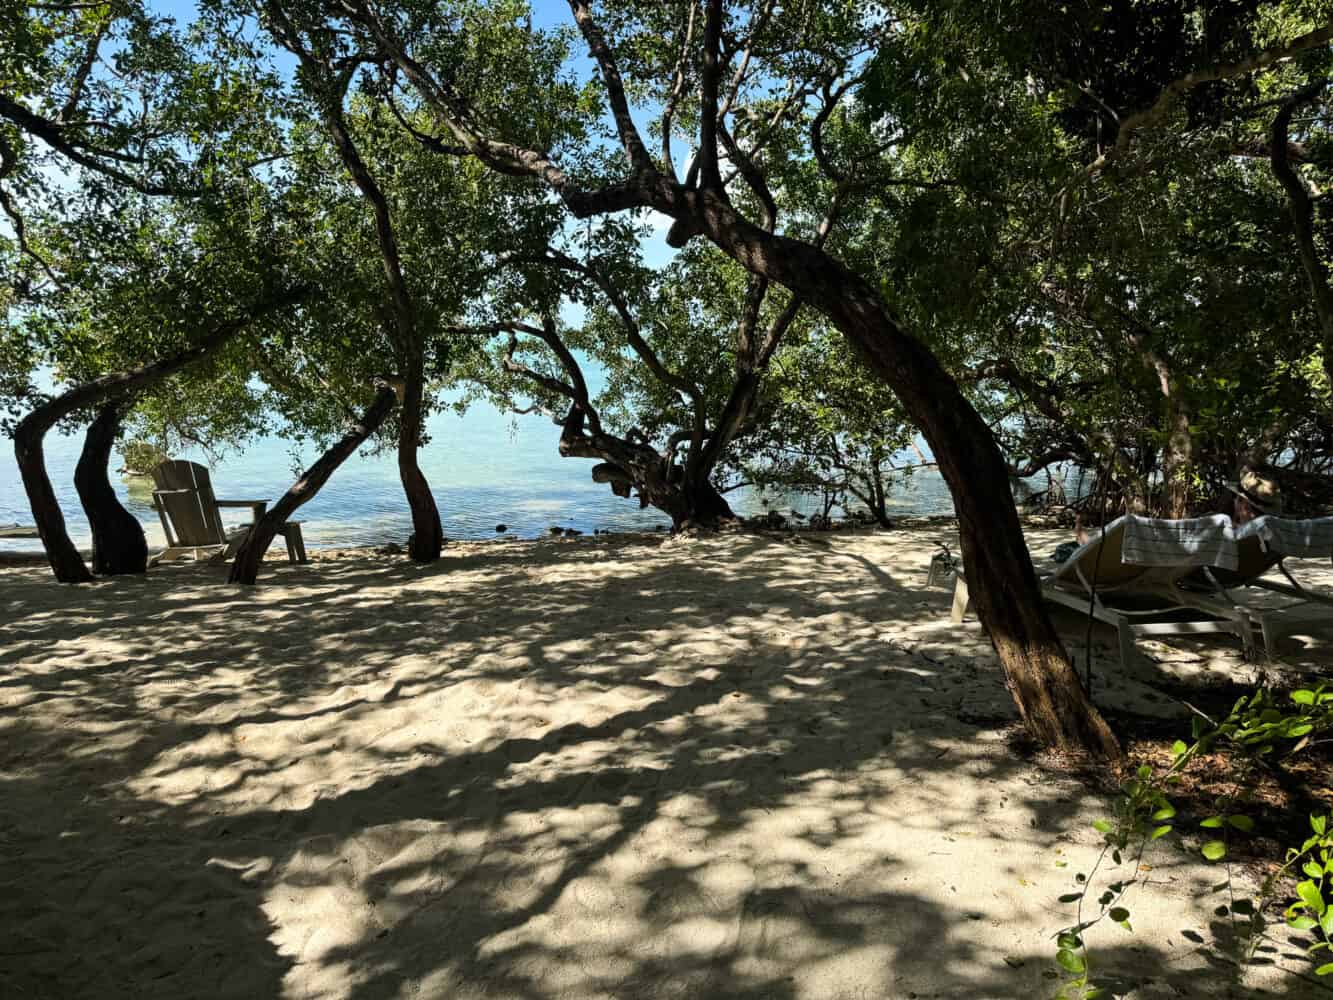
1313, 868
1102, 826
1161, 831
1070, 961
1166, 812
1069, 941
1213, 822
1318, 824
1118, 913
1303, 697
1300, 923
1326, 922
1243, 823
1312, 897
1324, 970
1144, 772
1214, 850
1178, 748
1071, 897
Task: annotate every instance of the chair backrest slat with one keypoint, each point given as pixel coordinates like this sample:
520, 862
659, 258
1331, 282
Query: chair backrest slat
185, 493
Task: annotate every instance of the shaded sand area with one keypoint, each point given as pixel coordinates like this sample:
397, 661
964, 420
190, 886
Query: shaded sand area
759, 767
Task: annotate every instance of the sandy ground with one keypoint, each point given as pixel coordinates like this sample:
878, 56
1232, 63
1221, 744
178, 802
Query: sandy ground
733, 767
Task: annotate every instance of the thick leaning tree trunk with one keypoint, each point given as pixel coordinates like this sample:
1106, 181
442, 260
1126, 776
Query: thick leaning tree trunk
1003, 584
1000, 576
64, 558
119, 545
31, 430
245, 567
427, 532
702, 505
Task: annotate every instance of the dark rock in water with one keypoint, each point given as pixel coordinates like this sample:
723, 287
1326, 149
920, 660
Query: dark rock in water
820, 523
572, 532
775, 520
556, 531
661, 527
500, 528
392, 549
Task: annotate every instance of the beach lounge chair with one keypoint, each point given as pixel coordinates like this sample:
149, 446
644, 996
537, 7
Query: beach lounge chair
1262, 545
1138, 600
192, 516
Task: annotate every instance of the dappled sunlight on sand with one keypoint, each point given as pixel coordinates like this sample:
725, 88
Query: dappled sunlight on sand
731, 767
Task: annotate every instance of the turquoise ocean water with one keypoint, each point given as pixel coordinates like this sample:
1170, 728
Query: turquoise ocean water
485, 468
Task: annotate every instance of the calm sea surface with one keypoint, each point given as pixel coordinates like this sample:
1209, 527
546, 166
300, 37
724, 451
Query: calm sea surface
485, 467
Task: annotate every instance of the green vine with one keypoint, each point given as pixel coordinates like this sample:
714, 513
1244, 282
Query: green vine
1257, 727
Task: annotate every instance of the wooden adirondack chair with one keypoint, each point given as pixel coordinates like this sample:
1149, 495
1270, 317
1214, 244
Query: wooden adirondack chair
192, 516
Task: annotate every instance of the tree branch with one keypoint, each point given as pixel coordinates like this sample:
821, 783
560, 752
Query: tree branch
709, 177
677, 89
630, 140
1174, 91
1301, 208
53, 135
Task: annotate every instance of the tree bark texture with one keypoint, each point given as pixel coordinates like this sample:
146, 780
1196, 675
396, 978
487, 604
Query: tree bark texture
65, 560
245, 567
427, 532
119, 545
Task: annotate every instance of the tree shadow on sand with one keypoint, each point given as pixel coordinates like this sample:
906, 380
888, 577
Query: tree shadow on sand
534, 772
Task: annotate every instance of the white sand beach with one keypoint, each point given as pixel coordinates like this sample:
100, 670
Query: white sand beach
618, 767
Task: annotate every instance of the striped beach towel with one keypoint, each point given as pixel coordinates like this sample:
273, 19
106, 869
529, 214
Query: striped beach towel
1308, 539
1195, 541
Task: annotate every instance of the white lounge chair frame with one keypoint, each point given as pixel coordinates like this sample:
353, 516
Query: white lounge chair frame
1214, 590
1089, 584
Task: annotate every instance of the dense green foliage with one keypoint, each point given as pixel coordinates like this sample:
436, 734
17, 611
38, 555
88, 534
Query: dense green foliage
1136, 306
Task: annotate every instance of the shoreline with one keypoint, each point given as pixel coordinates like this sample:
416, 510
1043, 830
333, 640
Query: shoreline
324, 553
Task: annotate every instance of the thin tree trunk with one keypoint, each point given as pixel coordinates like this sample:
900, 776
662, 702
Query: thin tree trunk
245, 567
427, 532
28, 435
1301, 207
119, 545
1178, 461
999, 570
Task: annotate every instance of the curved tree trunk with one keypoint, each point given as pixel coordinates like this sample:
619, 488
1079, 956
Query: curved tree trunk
119, 545
427, 532
999, 570
60, 551
245, 567
64, 558
1301, 207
